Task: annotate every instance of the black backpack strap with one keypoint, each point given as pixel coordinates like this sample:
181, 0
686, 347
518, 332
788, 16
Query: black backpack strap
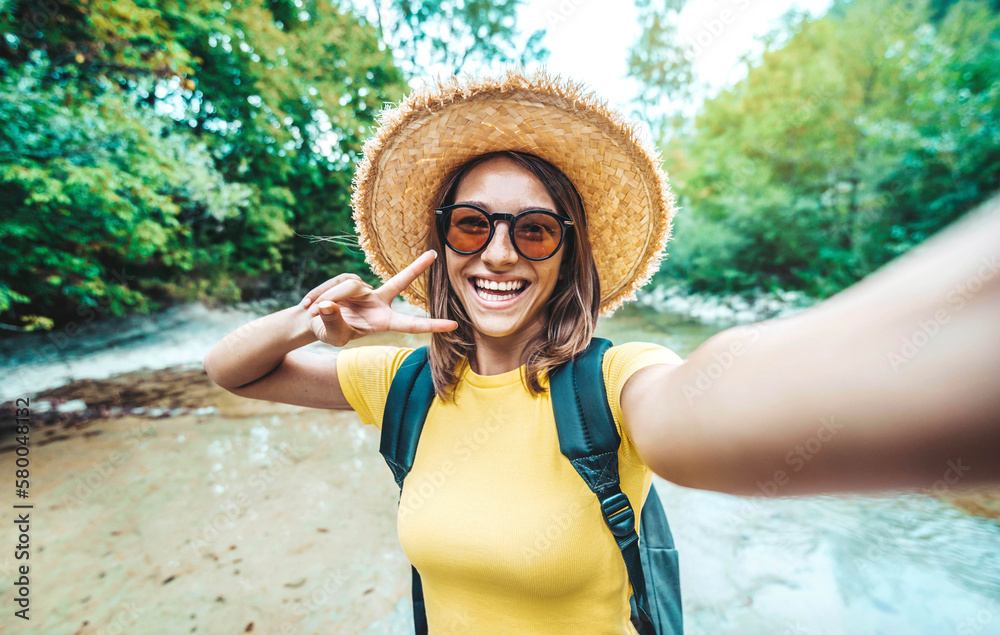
410, 396
583, 415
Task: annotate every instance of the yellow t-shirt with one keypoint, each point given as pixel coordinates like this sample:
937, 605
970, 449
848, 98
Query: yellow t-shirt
505, 534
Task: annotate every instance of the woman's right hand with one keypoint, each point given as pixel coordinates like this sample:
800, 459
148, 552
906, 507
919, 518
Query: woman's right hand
345, 308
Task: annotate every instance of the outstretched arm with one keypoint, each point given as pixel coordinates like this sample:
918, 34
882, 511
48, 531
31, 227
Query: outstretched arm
892, 383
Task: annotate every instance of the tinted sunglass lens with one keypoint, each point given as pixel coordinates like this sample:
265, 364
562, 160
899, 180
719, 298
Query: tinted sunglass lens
537, 235
467, 229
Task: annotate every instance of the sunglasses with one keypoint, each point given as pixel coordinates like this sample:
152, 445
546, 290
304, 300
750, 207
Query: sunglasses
536, 234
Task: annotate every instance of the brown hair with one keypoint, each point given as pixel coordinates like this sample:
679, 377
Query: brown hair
572, 309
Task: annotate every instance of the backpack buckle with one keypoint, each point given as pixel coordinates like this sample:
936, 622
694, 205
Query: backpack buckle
618, 515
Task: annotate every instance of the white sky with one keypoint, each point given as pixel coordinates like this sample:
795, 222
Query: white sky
589, 39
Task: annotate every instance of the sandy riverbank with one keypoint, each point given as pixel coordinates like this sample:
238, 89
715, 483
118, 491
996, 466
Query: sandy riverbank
251, 517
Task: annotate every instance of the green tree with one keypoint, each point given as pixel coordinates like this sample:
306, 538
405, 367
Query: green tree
193, 145
662, 65
852, 139
453, 35
260, 105
95, 193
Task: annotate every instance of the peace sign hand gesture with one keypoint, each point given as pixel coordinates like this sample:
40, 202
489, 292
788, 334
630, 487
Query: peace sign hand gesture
345, 308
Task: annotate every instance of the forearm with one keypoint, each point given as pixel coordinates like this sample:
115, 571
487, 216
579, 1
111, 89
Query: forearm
893, 383
258, 347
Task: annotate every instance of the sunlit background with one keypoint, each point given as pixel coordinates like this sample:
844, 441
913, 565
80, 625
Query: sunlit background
167, 172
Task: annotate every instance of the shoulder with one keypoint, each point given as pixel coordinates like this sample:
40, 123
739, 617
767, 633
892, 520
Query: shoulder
639, 376
386, 359
622, 361
620, 364
365, 374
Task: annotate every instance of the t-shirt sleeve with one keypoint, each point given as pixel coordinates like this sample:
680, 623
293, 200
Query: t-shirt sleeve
620, 363
365, 374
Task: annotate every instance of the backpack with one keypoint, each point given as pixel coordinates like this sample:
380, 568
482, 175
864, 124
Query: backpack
589, 439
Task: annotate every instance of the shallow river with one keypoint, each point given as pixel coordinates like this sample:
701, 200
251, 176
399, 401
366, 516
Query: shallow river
163, 504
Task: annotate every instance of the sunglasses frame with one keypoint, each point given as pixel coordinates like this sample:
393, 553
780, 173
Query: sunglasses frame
511, 219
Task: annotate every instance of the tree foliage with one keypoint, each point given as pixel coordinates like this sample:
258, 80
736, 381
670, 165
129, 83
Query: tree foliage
450, 35
662, 65
153, 151
97, 195
862, 134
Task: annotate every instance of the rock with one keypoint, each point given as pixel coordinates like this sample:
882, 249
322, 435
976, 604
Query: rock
730, 309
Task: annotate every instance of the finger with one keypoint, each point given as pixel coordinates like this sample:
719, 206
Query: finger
402, 323
327, 309
316, 292
329, 313
346, 290
395, 285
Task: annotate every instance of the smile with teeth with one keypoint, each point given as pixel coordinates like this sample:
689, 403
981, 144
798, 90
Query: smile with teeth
493, 291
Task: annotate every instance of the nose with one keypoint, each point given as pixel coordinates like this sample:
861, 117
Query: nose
500, 252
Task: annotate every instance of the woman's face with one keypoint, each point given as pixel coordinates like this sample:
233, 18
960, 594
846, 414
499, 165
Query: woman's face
501, 186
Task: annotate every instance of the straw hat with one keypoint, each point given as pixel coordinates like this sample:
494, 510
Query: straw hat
433, 131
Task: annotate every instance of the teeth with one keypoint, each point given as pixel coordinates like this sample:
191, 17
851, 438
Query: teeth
493, 285
490, 297
484, 286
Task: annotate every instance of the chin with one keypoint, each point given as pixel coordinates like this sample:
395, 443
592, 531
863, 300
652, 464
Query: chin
498, 327
493, 331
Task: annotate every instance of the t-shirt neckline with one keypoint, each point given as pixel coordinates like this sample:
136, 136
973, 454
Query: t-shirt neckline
490, 381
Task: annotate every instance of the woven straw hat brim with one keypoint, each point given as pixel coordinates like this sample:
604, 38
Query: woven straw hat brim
433, 131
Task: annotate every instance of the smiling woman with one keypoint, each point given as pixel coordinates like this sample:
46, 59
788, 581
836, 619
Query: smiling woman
534, 208
554, 311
